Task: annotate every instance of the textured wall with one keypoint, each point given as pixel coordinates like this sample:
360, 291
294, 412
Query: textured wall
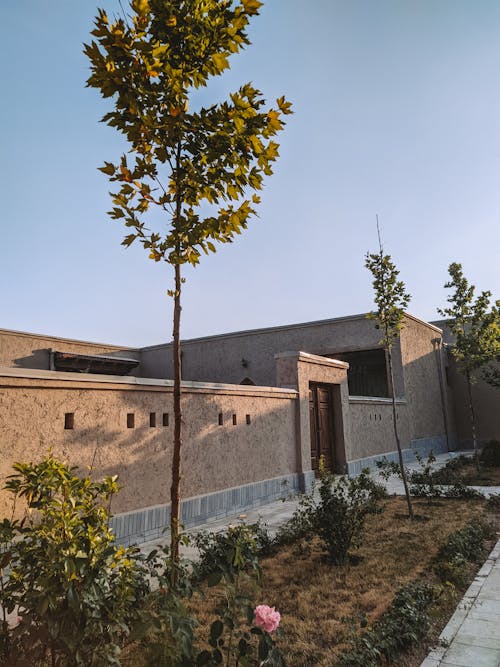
426, 411
220, 358
215, 457
486, 400
372, 430
25, 350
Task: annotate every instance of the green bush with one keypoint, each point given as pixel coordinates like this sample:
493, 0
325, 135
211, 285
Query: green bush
338, 517
78, 593
231, 558
466, 544
490, 454
403, 625
461, 547
228, 551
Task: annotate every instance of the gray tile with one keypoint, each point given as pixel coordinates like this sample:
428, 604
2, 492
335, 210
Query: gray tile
466, 655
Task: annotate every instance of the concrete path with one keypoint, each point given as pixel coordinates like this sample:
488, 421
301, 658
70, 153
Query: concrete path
472, 636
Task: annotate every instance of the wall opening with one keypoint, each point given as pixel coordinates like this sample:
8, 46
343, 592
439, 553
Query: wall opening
367, 373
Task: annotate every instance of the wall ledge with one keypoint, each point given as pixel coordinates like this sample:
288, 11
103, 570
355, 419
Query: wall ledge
375, 400
312, 359
128, 382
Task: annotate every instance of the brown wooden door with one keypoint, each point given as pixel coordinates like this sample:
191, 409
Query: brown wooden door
322, 426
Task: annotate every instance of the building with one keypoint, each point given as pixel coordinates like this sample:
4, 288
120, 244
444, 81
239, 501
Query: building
259, 407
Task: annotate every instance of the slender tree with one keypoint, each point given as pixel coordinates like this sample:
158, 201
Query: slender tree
185, 182
475, 326
391, 299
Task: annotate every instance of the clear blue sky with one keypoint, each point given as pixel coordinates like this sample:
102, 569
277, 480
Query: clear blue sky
397, 112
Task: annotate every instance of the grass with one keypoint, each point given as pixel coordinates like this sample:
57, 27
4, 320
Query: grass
464, 469
485, 476
324, 606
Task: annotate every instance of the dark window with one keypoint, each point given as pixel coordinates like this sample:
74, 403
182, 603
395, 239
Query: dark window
165, 419
221, 419
69, 420
234, 420
152, 419
367, 374
130, 420
248, 419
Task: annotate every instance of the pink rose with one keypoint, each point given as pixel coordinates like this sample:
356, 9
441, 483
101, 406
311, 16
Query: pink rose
267, 617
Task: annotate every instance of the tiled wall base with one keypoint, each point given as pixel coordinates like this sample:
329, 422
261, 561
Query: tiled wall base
421, 446
149, 523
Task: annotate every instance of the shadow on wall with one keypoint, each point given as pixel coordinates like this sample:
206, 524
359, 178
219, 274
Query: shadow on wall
130, 434
39, 359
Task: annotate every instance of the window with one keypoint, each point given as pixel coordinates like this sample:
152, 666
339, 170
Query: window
367, 374
152, 419
130, 420
69, 420
165, 419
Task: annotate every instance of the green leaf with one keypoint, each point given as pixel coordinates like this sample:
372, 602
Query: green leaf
216, 630
214, 579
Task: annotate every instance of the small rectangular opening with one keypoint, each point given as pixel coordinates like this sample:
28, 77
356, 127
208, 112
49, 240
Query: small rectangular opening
130, 420
248, 419
221, 419
165, 419
69, 420
152, 419
234, 420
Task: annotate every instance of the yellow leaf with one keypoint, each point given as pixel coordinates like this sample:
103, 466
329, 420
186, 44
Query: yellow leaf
172, 22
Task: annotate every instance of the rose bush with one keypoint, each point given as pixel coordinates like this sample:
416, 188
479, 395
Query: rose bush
267, 617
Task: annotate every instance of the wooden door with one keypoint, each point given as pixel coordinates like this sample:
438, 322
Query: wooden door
322, 426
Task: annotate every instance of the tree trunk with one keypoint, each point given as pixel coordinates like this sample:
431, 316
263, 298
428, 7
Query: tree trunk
175, 490
396, 433
472, 419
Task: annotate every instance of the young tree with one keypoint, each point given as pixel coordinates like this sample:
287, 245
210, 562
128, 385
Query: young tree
476, 329
391, 300
193, 167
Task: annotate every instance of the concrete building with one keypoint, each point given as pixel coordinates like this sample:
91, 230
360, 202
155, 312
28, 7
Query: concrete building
259, 407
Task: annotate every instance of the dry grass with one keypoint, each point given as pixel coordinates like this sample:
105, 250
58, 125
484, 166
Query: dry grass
485, 476
323, 605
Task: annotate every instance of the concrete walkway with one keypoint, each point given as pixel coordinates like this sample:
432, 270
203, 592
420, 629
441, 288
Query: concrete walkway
472, 636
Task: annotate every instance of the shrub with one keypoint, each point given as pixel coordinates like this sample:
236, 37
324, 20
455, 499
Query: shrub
239, 635
338, 517
403, 625
227, 552
466, 544
78, 593
490, 454
461, 547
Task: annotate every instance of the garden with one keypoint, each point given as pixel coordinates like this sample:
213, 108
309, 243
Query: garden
350, 580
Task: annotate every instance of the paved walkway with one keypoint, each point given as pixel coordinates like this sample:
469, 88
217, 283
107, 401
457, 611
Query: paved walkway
472, 636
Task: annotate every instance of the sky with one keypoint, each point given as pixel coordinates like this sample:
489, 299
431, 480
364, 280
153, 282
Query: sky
396, 114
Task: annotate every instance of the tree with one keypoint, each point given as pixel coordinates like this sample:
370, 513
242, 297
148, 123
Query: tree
476, 329
391, 300
194, 168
